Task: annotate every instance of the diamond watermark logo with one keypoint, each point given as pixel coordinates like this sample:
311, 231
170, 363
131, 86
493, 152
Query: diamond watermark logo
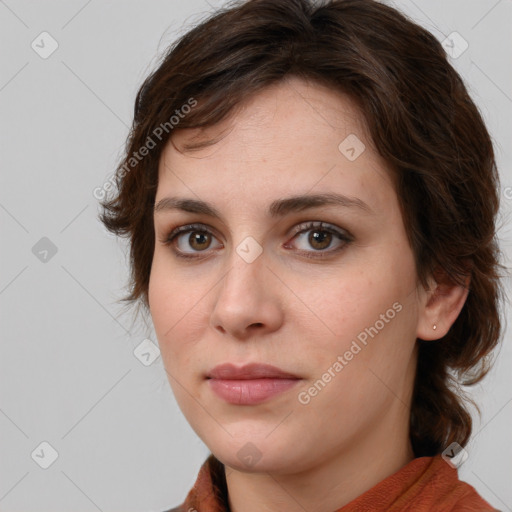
455, 455
455, 45
352, 147
146, 352
249, 249
44, 455
44, 45
44, 250
249, 454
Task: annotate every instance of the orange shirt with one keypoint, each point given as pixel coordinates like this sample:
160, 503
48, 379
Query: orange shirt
426, 484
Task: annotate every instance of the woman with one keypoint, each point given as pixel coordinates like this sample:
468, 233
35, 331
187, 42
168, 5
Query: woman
310, 196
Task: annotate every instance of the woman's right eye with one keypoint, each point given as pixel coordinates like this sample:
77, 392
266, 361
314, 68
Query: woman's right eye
195, 237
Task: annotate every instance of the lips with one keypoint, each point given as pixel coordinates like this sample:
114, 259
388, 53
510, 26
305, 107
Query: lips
250, 384
228, 371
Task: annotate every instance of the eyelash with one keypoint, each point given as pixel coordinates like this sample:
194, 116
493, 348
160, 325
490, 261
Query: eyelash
301, 228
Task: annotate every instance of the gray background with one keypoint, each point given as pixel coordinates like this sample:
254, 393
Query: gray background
69, 376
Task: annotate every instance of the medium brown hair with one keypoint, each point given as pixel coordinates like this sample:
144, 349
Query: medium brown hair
422, 121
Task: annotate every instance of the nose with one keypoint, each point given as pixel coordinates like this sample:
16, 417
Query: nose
247, 300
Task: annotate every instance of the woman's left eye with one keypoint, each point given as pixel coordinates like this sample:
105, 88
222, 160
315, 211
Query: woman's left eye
315, 235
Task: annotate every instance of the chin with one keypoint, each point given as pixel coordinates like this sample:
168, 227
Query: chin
252, 454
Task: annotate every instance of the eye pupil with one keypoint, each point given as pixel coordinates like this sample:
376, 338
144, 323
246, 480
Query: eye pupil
197, 240
320, 237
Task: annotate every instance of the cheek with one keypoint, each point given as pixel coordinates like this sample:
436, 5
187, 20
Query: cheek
351, 301
172, 302
366, 352
367, 309
176, 317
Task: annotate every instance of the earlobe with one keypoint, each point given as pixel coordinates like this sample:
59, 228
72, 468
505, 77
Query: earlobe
440, 307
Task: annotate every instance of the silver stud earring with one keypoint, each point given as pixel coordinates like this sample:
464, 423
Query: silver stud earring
434, 327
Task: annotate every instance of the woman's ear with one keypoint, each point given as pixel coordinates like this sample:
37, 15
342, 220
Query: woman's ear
439, 307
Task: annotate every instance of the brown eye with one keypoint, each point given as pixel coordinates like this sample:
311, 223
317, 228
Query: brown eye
199, 240
317, 240
191, 240
320, 239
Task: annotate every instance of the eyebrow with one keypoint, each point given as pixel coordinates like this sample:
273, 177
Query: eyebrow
278, 208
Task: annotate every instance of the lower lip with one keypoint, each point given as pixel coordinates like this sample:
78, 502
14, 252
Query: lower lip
250, 392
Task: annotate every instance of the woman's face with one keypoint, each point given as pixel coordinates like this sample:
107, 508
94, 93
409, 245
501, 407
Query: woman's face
337, 306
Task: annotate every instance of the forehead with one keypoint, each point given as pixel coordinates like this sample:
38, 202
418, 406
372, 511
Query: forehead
288, 138
291, 101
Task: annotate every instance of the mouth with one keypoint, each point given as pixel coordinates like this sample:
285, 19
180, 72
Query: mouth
250, 384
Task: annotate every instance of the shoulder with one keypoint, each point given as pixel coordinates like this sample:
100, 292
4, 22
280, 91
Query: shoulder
453, 494
469, 500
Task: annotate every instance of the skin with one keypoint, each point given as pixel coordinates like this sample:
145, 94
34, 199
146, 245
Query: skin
286, 309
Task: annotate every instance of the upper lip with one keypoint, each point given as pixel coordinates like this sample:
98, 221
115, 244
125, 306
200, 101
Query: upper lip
248, 371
